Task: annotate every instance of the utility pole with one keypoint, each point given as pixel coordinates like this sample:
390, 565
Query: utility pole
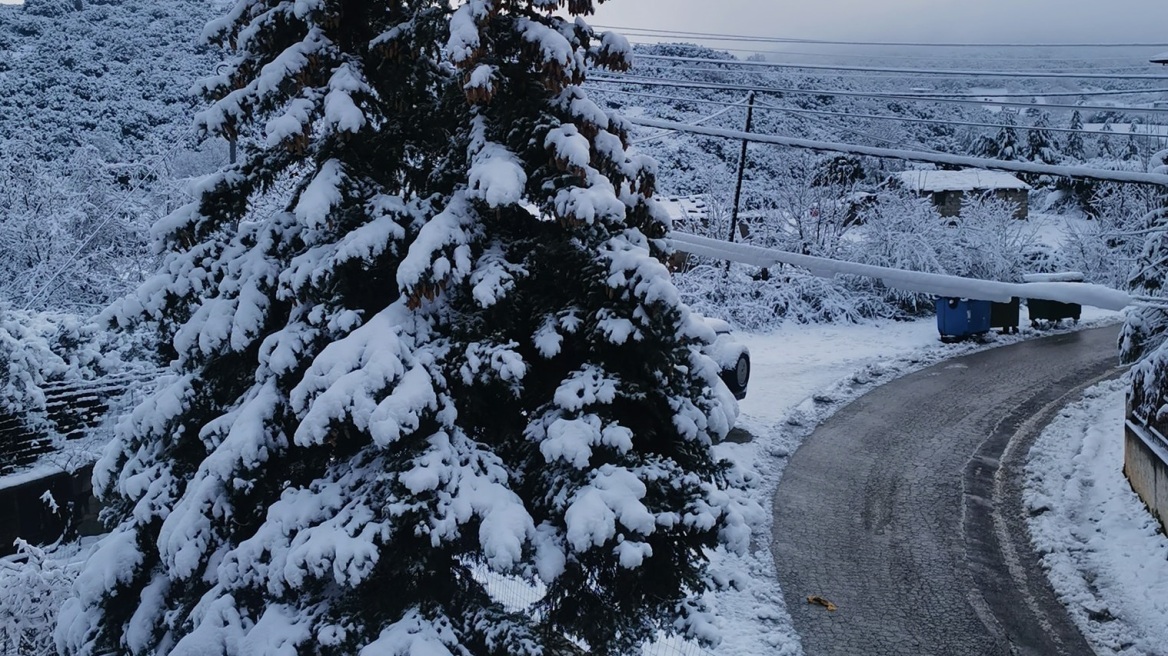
741, 167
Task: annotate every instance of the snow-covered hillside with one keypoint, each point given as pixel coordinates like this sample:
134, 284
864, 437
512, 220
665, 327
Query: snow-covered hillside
95, 142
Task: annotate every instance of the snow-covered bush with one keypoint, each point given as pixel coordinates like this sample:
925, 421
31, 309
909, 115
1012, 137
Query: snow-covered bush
810, 207
41, 347
1106, 247
906, 232
895, 230
753, 300
71, 237
33, 585
995, 243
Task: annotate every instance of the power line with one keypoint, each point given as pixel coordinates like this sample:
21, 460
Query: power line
912, 44
909, 119
860, 133
715, 86
909, 71
885, 56
903, 119
1051, 94
1077, 172
697, 122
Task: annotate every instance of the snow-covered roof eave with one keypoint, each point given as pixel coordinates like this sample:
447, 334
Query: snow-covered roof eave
1161, 58
964, 180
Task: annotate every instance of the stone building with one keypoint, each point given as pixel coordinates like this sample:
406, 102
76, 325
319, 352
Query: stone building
949, 189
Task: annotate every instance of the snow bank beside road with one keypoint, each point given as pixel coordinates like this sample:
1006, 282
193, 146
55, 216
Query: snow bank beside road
1105, 555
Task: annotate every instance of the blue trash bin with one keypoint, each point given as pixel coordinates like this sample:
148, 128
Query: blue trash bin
961, 318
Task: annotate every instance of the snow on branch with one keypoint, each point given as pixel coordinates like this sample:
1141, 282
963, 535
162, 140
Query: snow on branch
913, 281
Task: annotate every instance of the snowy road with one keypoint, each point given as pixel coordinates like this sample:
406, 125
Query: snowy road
895, 509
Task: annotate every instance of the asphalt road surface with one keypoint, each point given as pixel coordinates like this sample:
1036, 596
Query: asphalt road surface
904, 510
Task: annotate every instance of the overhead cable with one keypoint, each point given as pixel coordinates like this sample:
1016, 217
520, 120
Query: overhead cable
911, 44
686, 84
1077, 172
903, 119
1008, 94
910, 71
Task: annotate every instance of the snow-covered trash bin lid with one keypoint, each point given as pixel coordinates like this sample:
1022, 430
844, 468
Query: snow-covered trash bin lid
1066, 276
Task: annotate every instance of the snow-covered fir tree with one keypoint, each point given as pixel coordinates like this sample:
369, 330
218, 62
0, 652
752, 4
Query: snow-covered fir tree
451, 349
1144, 338
1040, 145
1131, 147
1105, 148
1008, 144
1004, 145
1073, 147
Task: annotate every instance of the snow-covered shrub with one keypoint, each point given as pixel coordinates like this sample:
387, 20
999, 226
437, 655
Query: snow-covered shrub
1105, 248
903, 231
41, 347
752, 300
33, 585
898, 230
810, 207
906, 232
995, 243
71, 235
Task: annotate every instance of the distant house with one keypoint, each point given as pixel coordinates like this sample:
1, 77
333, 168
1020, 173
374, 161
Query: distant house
688, 213
948, 189
1161, 58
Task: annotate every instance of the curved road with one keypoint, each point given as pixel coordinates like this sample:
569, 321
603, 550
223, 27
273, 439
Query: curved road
904, 508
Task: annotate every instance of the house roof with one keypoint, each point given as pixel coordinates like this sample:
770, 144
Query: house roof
1161, 58
682, 209
967, 180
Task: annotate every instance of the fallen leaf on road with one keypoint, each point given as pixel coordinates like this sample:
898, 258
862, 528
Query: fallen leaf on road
816, 599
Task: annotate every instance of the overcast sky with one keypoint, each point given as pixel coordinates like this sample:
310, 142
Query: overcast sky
1031, 21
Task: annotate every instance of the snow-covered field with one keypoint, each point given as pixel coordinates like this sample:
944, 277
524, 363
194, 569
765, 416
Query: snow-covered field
1107, 558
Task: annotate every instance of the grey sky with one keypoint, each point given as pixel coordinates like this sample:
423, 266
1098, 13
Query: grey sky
933, 20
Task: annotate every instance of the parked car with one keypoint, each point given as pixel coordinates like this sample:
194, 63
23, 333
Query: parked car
732, 357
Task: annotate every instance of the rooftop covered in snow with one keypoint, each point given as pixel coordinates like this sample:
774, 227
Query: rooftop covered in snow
966, 180
1161, 58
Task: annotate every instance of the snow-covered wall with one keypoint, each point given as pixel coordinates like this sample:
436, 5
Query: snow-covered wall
1145, 464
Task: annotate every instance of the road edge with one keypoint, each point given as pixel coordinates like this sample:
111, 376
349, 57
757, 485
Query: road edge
997, 537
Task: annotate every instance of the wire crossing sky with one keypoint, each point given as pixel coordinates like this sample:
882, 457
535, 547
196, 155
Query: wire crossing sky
933, 21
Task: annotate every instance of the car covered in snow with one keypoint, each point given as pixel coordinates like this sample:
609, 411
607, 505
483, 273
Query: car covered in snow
732, 357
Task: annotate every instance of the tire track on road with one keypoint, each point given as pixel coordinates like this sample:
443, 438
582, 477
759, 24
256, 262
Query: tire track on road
904, 508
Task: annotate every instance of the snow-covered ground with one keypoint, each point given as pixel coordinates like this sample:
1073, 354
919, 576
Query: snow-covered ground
803, 374
1105, 554
800, 376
